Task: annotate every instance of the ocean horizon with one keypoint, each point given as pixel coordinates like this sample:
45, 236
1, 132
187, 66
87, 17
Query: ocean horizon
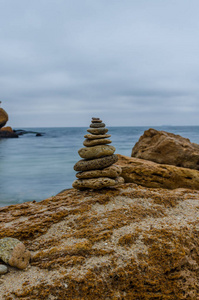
35, 168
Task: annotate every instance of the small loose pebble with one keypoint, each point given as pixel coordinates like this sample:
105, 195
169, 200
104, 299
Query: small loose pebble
3, 269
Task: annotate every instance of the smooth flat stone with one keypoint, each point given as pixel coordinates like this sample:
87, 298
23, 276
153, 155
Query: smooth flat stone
96, 151
111, 172
95, 164
97, 125
97, 130
95, 118
94, 136
96, 183
96, 121
90, 143
3, 269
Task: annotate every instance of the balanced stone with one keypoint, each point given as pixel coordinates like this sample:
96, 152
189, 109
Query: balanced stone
14, 253
96, 169
97, 130
95, 164
96, 121
3, 269
96, 151
111, 172
90, 143
96, 183
99, 136
97, 125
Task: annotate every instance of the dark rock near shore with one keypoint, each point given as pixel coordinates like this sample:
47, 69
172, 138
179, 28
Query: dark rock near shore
4, 134
22, 132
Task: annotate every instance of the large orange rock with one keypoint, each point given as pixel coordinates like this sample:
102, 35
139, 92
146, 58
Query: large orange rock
129, 242
167, 148
151, 174
3, 117
7, 128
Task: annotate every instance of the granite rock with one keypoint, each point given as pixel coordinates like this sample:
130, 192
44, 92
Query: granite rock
128, 242
97, 130
14, 253
154, 175
167, 148
96, 151
90, 143
95, 136
112, 172
95, 164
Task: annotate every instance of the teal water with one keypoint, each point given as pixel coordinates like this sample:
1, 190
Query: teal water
35, 168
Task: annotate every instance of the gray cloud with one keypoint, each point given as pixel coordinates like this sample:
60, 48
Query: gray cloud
129, 62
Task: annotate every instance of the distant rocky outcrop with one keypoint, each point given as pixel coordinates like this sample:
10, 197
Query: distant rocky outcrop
151, 174
22, 132
167, 148
7, 132
129, 242
3, 117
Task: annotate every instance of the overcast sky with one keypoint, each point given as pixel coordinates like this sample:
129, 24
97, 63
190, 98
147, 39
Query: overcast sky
130, 62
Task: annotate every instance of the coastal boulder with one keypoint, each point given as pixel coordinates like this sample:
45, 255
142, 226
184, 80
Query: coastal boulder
151, 174
129, 242
3, 117
167, 148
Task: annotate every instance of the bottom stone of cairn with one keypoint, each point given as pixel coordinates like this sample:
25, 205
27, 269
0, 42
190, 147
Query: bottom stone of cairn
97, 183
97, 169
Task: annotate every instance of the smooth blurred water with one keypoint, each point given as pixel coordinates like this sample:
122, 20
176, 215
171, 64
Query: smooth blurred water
35, 168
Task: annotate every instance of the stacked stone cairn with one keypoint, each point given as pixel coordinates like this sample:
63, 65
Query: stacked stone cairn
97, 170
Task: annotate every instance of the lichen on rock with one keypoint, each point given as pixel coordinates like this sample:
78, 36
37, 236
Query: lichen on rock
129, 242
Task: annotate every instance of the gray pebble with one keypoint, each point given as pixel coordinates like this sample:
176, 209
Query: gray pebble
3, 269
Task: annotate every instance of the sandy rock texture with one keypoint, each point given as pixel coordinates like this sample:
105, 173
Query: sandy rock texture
129, 242
167, 148
151, 174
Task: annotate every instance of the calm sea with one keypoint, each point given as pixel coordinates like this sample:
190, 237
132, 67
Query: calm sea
35, 168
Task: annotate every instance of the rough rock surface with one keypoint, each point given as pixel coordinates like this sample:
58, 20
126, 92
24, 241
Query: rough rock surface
167, 148
14, 253
112, 172
151, 174
3, 117
129, 242
95, 164
97, 183
96, 151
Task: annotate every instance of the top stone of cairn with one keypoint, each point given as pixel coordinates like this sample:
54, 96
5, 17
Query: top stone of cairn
96, 169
